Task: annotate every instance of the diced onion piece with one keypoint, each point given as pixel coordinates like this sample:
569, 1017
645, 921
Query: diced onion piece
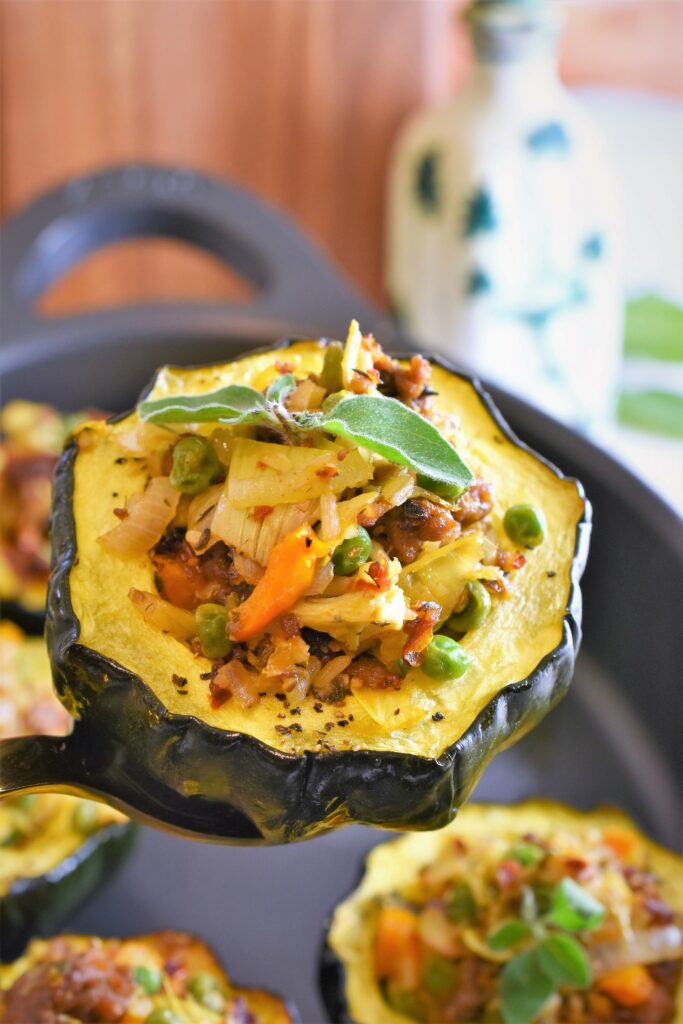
146, 520
324, 677
306, 395
398, 486
243, 684
648, 946
437, 932
297, 686
256, 538
203, 503
356, 356
248, 569
270, 474
288, 657
145, 438
322, 578
163, 615
329, 518
349, 510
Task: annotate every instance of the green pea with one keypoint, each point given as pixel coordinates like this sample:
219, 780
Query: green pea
407, 1003
440, 976
475, 611
163, 1015
149, 978
525, 524
85, 817
444, 490
526, 854
444, 659
212, 624
461, 905
25, 803
195, 464
331, 373
348, 556
205, 989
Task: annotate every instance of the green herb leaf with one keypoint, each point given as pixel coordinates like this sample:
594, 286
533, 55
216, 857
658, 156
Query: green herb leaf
509, 934
564, 960
573, 908
281, 387
461, 904
233, 404
391, 429
524, 988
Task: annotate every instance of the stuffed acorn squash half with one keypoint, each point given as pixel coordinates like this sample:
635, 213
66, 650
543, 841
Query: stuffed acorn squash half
315, 584
162, 978
512, 915
54, 850
31, 440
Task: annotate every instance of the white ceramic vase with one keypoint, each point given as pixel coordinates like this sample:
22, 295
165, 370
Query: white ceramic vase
503, 240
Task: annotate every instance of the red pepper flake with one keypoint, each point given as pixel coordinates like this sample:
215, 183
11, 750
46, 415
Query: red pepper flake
327, 472
218, 694
284, 367
341, 454
121, 513
508, 873
509, 560
174, 965
261, 512
420, 631
289, 624
262, 465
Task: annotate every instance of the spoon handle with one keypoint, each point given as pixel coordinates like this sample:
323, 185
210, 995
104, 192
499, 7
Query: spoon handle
29, 764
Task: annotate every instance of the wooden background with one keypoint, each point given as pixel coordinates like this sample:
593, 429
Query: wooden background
298, 100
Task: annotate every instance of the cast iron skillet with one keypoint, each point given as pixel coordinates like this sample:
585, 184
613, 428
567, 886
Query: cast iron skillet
633, 584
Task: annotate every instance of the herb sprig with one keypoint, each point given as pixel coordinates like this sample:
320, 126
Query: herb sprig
554, 959
382, 425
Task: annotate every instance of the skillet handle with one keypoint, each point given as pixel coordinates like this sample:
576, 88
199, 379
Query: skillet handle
293, 279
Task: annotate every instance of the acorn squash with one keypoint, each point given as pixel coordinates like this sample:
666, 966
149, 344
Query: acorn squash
31, 440
401, 755
162, 978
418, 932
54, 850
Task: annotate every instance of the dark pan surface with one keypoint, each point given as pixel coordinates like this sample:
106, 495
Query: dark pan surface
614, 739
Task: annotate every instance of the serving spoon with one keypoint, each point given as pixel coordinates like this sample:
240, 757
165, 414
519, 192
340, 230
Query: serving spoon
89, 763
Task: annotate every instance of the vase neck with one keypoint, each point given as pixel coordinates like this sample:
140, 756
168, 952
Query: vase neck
513, 32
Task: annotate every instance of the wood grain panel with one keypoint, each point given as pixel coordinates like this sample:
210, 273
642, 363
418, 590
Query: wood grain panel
295, 99
298, 100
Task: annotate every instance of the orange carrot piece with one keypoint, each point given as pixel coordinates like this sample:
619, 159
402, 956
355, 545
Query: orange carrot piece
396, 941
620, 839
628, 986
288, 575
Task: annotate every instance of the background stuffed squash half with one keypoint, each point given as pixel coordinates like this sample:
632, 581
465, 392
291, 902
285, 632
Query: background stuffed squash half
55, 850
315, 584
534, 913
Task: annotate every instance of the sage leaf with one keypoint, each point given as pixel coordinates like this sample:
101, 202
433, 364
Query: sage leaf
573, 908
391, 429
524, 988
233, 404
564, 960
509, 934
281, 387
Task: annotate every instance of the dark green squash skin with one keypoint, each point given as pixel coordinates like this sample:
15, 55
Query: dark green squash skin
233, 786
31, 620
36, 907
